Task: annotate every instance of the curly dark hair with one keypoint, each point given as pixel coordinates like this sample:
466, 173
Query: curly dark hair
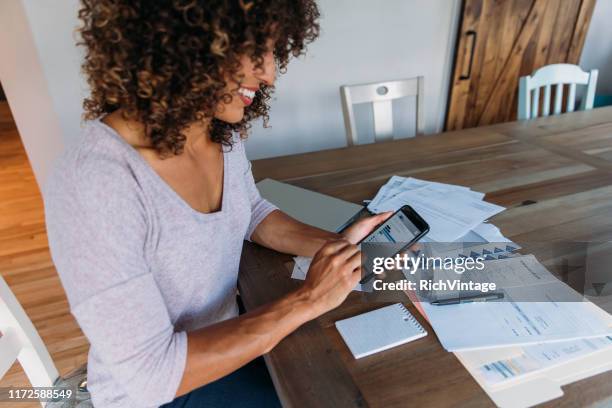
165, 63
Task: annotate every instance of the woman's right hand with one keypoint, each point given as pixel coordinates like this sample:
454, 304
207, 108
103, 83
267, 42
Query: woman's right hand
333, 273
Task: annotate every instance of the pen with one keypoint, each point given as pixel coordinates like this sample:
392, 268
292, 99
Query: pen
367, 278
484, 297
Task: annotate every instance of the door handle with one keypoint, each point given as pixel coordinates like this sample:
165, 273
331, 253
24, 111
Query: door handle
470, 33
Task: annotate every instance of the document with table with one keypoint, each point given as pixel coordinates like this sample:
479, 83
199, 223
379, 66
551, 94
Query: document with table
527, 320
538, 357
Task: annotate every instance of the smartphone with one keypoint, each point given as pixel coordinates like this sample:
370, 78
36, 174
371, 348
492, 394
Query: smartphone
404, 228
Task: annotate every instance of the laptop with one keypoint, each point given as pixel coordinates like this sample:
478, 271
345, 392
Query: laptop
309, 207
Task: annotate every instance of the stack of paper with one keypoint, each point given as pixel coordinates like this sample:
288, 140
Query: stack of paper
450, 210
454, 213
397, 184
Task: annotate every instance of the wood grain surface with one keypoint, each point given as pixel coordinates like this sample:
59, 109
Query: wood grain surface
553, 174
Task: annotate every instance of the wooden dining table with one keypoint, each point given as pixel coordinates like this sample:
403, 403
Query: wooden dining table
554, 176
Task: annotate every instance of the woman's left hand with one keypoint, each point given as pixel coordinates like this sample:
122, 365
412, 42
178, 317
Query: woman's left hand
364, 227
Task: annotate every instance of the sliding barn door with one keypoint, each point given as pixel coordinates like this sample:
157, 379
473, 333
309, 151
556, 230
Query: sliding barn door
501, 40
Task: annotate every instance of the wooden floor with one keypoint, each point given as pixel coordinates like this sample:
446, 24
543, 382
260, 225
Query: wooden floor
25, 262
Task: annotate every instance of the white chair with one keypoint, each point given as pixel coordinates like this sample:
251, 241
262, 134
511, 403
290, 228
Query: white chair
556, 75
20, 341
381, 95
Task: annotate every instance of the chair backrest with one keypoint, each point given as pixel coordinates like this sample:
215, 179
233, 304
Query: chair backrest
557, 75
381, 95
20, 341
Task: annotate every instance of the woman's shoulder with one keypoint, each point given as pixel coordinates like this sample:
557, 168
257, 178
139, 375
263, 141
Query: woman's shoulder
237, 149
97, 161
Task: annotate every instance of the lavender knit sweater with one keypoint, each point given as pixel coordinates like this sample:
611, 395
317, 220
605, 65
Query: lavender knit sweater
140, 267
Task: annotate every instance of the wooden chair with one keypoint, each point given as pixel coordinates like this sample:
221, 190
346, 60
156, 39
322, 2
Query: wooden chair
381, 95
557, 75
20, 341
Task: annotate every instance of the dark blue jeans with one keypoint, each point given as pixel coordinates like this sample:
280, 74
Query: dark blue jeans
247, 387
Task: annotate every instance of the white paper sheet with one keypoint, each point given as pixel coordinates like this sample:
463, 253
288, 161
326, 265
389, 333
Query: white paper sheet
450, 215
397, 184
300, 270
508, 323
489, 233
539, 357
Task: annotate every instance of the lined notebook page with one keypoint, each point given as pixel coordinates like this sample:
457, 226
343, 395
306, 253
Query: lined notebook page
379, 330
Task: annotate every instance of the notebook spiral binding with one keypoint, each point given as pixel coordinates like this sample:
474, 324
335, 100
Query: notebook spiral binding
409, 317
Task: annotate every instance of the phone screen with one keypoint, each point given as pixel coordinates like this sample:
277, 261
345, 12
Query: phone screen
397, 233
398, 228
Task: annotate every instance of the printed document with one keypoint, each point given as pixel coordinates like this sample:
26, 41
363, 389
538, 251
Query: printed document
509, 322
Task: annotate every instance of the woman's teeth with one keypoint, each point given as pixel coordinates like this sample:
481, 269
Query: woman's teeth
247, 92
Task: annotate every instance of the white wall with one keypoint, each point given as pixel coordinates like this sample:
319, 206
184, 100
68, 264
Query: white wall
597, 51
361, 41
27, 88
53, 24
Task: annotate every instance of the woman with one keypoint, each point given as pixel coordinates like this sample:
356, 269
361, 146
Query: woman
147, 214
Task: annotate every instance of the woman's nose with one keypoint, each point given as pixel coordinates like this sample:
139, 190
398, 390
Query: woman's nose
267, 72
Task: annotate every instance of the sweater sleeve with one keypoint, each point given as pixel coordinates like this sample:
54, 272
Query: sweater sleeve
97, 228
260, 207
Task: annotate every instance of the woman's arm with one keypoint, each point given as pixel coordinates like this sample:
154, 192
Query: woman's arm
274, 229
217, 350
282, 233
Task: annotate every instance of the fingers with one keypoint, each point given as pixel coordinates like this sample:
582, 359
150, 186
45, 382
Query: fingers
377, 219
416, 248
354, 261
413, 250
333, 247
348, 251
354, 277
343, 256
351, 270
382, 217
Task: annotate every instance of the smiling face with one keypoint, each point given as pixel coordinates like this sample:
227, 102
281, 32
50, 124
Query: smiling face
193, 63
245, 91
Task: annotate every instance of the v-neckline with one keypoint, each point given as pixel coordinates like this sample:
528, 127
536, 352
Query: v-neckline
165, 186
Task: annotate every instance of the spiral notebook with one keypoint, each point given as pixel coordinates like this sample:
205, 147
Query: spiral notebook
379, 330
